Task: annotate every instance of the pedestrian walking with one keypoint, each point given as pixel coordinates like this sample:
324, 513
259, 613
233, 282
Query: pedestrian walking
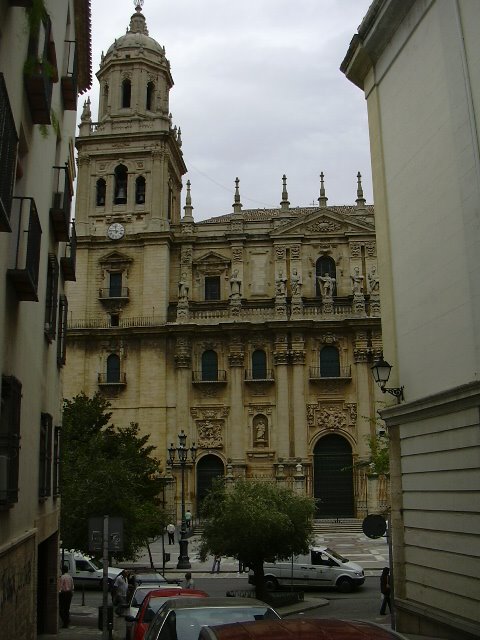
188, 518
385, 589
171, 533
216, 564
241, 565
65, 594
188, 583
120, 589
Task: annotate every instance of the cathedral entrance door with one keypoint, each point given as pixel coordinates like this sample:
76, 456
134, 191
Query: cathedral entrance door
208, 468
333, 477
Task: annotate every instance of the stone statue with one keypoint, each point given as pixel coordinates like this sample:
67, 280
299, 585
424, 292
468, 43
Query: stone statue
327, 284
357, 281
260, 431
235, 284
295, 283
373, 281
280, 284
183, 287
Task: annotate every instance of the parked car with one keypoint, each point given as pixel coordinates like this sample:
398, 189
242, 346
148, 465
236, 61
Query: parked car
138, 624
299, 629
182, 618
86, 573
324, 567
150, 577
137, 597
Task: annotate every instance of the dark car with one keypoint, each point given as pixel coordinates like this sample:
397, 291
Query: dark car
182, 618
299, 629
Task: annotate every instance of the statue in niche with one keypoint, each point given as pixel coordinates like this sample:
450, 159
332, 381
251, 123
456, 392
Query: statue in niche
280, 284
373, 281
295, 283
183, 287
357, 281
235, 284
260, 430
327, 284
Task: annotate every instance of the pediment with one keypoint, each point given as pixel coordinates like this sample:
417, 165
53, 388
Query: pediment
115, 257
323, 222
212, 259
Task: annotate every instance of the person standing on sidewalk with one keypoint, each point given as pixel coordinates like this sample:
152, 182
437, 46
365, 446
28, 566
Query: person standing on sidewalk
120, 589
385, 589
188, 583
65, 594
216, 564
171, 533
188, 518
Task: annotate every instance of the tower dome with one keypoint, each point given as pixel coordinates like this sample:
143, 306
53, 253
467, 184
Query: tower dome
134, 74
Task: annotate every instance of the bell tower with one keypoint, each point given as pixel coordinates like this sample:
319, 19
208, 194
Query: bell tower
130, 168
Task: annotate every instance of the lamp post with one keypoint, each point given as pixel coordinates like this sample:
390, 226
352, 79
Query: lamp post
381, 373
182, 452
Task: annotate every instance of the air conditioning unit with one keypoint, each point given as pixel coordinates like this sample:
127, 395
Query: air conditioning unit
4, 461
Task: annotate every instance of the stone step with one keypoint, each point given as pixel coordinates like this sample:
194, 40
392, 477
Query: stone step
330, 525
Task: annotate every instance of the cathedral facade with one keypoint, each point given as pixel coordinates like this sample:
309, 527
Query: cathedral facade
253, 332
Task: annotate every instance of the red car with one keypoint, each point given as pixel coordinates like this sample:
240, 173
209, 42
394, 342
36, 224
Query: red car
152, 603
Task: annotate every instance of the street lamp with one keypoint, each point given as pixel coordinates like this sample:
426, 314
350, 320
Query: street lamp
182, 452
381, 373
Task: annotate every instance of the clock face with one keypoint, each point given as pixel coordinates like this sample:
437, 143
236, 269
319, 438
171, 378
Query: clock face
116, 231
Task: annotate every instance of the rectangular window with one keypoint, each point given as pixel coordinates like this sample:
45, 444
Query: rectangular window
51, 297
8, 156
62, 330
212, 287
9, 439
56, 462
115, 290
45, 456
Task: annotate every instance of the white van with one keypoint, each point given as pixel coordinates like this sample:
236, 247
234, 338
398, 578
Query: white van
322, 568
85, 571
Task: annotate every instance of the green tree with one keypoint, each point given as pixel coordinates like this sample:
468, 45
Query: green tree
257, 522
107, 471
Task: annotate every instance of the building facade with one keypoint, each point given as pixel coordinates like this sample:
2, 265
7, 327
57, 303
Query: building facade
418, 63
252, 331
44, 63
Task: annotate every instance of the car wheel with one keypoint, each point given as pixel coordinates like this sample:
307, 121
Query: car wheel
345, 585
270, 583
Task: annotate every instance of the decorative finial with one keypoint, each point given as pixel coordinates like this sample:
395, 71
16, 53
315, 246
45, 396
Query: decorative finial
360, 199
284, 204
138, 5
179, 137
237, 205
322, 200
188, 216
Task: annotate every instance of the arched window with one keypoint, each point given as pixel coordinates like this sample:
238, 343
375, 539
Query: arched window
101, 190
121, 175
126, 93
150, 96
113, 368
140, 190
259, 365
325, 265
209, 365
329, 362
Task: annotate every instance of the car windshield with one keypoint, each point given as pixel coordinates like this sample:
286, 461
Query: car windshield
336, 555
95, 564
190, 621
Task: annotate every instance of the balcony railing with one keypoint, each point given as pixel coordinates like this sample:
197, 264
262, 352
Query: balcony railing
68, 261
114, 293
62, 202
105, 379
253, 376
344, 373
25, 258
69, 81
202, 377
8, 156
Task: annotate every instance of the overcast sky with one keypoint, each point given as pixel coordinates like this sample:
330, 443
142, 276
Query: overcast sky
258, 93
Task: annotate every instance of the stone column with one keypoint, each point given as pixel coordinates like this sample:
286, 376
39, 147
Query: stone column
364, 397
183, 366
239, 429
299, 480
281, 434
299, 412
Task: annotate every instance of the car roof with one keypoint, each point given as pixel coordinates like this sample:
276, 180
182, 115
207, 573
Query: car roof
175, 591
300, 629
189, 602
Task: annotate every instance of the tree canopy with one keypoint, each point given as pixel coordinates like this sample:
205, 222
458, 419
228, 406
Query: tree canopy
107, 471
256, 522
